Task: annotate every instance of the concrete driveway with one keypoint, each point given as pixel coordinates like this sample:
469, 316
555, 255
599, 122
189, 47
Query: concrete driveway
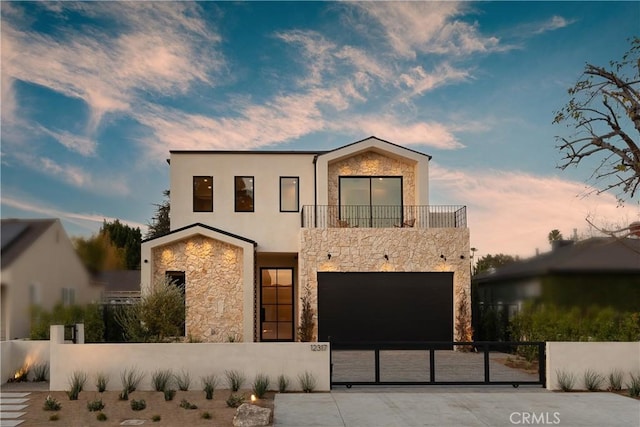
462, 406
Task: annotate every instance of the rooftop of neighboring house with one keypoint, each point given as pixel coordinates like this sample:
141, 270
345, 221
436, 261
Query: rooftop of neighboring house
17, 235
119, 280
595, 255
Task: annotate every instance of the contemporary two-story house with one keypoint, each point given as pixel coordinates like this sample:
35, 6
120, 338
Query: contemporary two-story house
351, 229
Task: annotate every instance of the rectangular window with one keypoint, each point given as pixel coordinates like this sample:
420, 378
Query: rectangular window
370, 201
244, 194
289, 193
277, 310
68, 296
203, 194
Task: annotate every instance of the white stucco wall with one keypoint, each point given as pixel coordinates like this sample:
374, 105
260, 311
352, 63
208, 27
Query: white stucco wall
19, 353
198, 359
274, 231
601, 357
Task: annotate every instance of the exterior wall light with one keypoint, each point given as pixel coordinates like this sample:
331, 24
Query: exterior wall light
386, 257
328, 256
444, 258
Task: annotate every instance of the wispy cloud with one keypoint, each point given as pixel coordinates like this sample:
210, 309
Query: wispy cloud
76, 143
435, 135
527, 205
111, 183
419, 81
160, 51
428, 27
553, 23
88, 221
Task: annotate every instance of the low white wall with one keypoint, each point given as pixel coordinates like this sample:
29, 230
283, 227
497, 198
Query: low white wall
600, 357
18, 353
198, 359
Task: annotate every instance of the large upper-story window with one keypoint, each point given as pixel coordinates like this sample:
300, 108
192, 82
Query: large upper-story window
203, 194
289, 193
244, 194
370, 201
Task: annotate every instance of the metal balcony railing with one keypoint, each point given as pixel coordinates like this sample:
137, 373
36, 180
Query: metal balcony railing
368, 216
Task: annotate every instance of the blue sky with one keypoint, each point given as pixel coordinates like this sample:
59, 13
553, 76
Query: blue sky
94, 95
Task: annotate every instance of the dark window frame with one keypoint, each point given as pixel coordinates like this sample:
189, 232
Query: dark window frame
293, 306
371, 205
235, 193
297, 178
195, 208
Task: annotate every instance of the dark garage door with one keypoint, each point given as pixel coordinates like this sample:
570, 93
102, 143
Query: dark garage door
385, 306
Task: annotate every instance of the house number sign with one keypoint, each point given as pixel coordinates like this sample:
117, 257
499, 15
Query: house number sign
319, 347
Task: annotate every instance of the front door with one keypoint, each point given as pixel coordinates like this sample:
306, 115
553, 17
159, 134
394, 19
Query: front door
276, 311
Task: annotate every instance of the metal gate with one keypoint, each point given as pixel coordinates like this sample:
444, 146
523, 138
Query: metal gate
435, 363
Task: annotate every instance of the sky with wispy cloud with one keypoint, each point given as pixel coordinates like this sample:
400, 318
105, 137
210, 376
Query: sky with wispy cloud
95, 94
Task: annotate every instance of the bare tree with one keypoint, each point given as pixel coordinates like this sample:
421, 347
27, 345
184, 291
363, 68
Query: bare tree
604, 110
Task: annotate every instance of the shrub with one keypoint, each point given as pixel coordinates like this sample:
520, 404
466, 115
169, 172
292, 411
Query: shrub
40, 372
124, 395
283, 383
235, 400
235, 379
592, 380
95, 405
615, 380
183, 380
76, 383
307, 324
209, 384
51, 404
550, 322
54, 417
206, 416
161, 380
131, 379
566, 380
187, 405
156, 418
634, 385
169, 395
307, 381
158, 317
138, 405
101, 416
101, 381
260, 385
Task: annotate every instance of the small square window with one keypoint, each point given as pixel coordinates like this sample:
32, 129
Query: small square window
289, 193
203, 194
244, 194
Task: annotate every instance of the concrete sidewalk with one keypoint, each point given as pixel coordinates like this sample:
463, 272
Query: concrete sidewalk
454, 407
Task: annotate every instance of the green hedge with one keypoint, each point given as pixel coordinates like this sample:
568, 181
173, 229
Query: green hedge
90, 315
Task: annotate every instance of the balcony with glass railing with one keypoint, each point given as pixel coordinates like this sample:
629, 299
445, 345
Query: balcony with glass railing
389, 216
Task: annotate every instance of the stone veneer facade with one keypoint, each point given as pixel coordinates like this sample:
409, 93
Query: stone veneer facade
214, 293
409, 249
372, 164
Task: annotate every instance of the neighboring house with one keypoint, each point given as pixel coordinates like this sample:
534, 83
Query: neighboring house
39, 267
597, 271
352, 229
